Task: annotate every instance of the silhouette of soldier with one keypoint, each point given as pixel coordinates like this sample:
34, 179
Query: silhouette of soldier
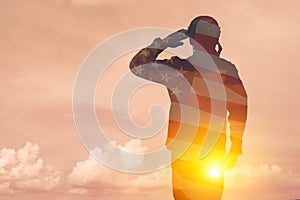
194, 177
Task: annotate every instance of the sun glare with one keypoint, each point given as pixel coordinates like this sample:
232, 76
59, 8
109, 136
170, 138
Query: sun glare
214, 172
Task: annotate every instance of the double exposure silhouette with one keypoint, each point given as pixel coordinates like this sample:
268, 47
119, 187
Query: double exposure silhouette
195, 177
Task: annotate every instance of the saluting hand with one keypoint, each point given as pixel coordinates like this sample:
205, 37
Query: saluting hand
174, 39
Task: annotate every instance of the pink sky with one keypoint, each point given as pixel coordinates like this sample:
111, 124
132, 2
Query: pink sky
43, 44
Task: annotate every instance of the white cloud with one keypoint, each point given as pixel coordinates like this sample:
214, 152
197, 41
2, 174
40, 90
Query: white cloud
245, 181
92, 176
129, 157
23, 170
262, 182
134, 147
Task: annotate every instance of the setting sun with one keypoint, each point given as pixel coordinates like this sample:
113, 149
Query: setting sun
214, 172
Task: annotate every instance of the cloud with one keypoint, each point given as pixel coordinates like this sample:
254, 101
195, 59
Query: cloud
131, 157
89, 176
245, 181
22, 170
128, 157
262, 182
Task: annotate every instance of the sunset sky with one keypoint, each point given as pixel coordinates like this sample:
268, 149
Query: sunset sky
43, 44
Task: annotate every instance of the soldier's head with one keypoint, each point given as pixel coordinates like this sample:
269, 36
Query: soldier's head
205, 30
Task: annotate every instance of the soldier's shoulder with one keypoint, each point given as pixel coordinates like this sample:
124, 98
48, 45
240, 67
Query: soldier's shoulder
226, 66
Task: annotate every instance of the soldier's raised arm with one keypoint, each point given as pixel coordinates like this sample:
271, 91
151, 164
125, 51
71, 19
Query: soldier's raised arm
145, 63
